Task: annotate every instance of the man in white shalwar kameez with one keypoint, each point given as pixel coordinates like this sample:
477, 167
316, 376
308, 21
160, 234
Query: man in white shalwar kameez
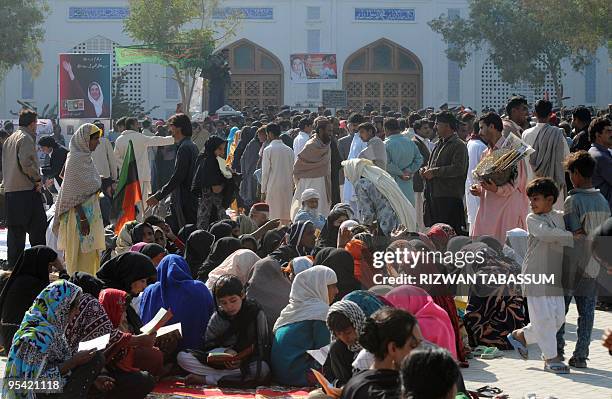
312, 168
357, 145
276, 175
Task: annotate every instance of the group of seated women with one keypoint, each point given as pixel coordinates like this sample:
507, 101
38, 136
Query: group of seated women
249, 310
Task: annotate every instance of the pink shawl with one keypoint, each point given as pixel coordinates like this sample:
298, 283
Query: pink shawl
434, 322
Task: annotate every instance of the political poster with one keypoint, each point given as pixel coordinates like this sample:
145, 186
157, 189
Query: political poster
313, 68
85, 86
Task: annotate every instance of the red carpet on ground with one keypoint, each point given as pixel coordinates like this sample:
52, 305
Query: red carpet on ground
177, 389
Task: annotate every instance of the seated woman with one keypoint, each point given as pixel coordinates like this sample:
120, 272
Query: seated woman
40, 348
197, 249
345, 320
188, 299
78, 218
430, 373
433, 320
297, 265
238, 264
301, 326
29, 277
343, 264
238, 326
379, 198
129, 272
143, 232
124, 240
221, 249
155, 252
90, 322
329, 234
116, 303
390, 335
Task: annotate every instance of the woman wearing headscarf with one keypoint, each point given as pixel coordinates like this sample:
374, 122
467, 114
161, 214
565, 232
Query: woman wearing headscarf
221, 229
238, 264
246, 135
124, 240
143, 232
78, 218
40, 349
189, 299
116, 304
129, 272
28, 278
329, 234
221, 249
89, 284
301, 243
247, 241
363, 261
297, 265
186, 231
345, 321
367, 301
301, 326
248, 165
342, 263
433, 320
379, 198
270, 242
197, 249
90, 322
440, 234
210, 181
154, 252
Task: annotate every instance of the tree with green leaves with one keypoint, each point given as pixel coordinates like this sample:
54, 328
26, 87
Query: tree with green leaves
182, 34
122, 105
521, 47
20, 32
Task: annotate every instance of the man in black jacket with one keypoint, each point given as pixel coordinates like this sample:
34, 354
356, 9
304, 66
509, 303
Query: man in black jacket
57, 154
182, 202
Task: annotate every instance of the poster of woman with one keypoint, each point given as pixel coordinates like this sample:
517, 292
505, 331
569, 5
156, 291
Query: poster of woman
85, 82
312, 68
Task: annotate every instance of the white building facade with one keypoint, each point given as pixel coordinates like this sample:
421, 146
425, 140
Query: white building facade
385, 53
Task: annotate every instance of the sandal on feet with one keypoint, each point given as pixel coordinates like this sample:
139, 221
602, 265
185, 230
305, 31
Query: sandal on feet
488, 391
491, 353
479, 350
518, 346
556, 368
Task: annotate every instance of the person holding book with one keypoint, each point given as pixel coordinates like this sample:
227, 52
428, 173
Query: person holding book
236, 344
301, 326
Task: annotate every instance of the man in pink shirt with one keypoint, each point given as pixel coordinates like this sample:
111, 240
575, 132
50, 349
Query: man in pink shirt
505, 207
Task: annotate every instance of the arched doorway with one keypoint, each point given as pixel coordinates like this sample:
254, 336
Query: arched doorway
257, 76
383, 73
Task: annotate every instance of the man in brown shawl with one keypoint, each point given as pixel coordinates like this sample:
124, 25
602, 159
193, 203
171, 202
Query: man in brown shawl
312, 168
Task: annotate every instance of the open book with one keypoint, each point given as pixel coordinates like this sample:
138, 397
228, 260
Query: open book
161, 318
320, 355
329, 389
220, 357
99, 343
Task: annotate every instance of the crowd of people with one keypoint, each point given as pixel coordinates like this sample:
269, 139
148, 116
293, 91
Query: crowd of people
261, 235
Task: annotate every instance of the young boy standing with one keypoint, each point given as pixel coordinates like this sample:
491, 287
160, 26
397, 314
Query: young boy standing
585, 210
547, 237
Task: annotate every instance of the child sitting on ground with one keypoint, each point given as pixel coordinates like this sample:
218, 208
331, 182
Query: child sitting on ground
585, 210
238, 327
547, 237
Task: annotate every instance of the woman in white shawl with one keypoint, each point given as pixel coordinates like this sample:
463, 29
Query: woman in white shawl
379, 198
301, 325
78, 219
239, 264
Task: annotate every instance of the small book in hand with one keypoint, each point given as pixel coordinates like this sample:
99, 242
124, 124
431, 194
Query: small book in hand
216, 359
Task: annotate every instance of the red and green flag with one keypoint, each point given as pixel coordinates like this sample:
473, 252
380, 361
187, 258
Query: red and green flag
128, 193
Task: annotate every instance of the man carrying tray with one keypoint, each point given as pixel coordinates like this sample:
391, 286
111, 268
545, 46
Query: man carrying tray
503, 205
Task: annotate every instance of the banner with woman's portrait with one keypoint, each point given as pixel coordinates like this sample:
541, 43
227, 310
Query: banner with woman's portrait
312, 68
85, 86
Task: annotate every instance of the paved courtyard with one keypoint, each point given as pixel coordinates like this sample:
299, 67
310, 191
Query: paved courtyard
517, 377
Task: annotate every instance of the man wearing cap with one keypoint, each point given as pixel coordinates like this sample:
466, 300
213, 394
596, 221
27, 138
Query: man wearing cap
22, 186
310, 209
445, 176
276, 175
257, 222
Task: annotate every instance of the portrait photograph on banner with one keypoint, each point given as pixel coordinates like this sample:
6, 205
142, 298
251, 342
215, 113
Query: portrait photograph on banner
85, 86
313, 67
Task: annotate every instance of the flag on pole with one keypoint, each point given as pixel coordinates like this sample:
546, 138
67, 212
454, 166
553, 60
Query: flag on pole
128, 192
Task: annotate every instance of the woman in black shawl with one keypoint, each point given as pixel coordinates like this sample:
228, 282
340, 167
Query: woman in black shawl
29, 277
220, 251
301, 243
185, 232
221, 230
143, 232
246, 135
197, 249
329, 234
248, 165
89, 284
270, 242
342, 263
129, 272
